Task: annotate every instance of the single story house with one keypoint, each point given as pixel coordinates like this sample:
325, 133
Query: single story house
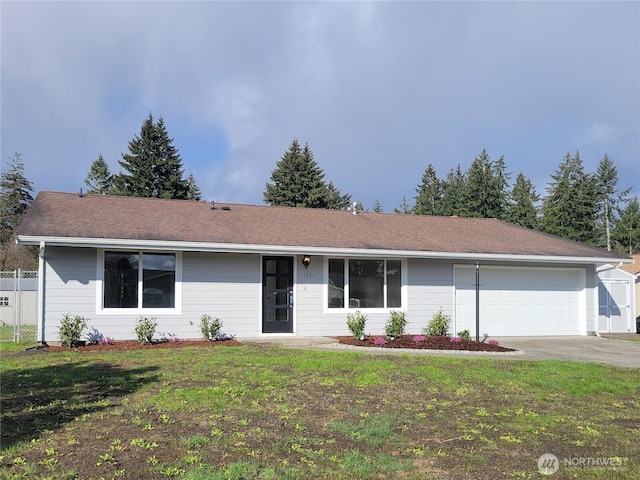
292, 271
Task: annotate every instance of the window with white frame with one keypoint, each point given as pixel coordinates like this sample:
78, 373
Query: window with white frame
4, 301
364, 283
140, 280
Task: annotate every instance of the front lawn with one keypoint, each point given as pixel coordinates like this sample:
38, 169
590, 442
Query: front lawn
274, 413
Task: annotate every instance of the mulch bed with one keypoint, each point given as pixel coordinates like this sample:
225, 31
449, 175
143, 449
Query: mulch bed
135, 345
429, 343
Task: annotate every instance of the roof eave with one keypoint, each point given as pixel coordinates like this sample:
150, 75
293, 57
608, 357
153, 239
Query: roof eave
105, 243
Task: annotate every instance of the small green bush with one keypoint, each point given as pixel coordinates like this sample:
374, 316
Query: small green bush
71, 329
210, 327
146, 329
438, 325
395, 325
465, 335
356, 323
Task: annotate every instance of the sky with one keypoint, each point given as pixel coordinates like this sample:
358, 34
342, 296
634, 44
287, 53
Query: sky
379, 90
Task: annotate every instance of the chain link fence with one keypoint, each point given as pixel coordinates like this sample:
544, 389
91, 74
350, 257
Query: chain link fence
18, 306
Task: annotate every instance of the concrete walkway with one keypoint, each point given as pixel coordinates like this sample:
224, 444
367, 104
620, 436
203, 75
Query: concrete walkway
612, 351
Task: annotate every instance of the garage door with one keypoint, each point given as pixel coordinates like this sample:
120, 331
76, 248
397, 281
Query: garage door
520, 301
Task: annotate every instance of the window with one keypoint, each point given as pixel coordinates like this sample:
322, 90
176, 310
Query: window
4, 301
365, 283
139, 280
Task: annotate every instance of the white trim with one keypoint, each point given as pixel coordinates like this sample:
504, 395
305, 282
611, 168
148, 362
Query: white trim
295, 249
100, 310
41, 273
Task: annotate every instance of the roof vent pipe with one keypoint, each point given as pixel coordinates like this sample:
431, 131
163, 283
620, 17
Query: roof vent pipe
213, 205
355, 208
80, 194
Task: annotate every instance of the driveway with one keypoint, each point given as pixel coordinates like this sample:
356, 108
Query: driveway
612, 351
621, 353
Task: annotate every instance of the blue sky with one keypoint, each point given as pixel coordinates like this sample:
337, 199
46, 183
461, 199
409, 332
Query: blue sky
378, 89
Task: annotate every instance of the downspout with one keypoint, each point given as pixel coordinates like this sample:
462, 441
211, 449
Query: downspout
41, 272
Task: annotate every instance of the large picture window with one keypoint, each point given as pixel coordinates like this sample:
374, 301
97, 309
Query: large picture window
364, 283
139, 280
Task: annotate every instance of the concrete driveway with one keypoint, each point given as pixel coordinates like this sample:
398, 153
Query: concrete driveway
612, 351
621, 353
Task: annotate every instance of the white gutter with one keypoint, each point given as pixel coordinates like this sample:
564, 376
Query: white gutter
289, 249
41, 273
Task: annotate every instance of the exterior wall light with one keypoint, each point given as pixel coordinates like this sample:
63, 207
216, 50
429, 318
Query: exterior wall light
306, 260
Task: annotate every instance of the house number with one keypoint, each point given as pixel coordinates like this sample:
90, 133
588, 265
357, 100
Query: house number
309, 275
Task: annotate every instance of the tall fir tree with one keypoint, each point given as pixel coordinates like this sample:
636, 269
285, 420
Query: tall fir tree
626, 232
15, 197
485, 194
298, 181
403, 207
429, 193
452, 192
522, 208
609, 198
377, 206
99, 179
570, 208
193, 192
153, 164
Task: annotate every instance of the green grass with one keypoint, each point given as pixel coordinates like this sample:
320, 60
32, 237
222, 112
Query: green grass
275, 413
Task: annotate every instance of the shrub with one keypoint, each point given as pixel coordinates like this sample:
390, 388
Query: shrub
379, 341
210, 327
71, 329
438, 325
494, 342
418, 338
464, 335
356, 323
455, 339
395, 325
146, 329
106, 341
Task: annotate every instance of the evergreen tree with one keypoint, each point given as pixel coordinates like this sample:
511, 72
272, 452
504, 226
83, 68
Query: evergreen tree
570, 208
297, 181
99, 179
626, 232
403, 207
15, 197
609, 197
377, 207
485, 194
522, 209
452, 192
429, 193
153, 164
193, 191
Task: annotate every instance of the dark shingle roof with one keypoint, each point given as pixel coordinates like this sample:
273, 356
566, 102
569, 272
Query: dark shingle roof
65, 215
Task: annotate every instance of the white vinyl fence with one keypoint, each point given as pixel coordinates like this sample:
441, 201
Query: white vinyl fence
18, 306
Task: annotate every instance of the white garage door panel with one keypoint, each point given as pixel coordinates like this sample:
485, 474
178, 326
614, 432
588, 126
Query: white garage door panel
520, 301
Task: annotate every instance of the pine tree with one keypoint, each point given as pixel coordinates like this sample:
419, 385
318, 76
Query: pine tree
485, 194
153, 164
452, 191
429, 193
377, 206
626, 232
298, 181
99, 179
15, 197
522, 209
570, 208
609, 197
403, 207
193, 192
